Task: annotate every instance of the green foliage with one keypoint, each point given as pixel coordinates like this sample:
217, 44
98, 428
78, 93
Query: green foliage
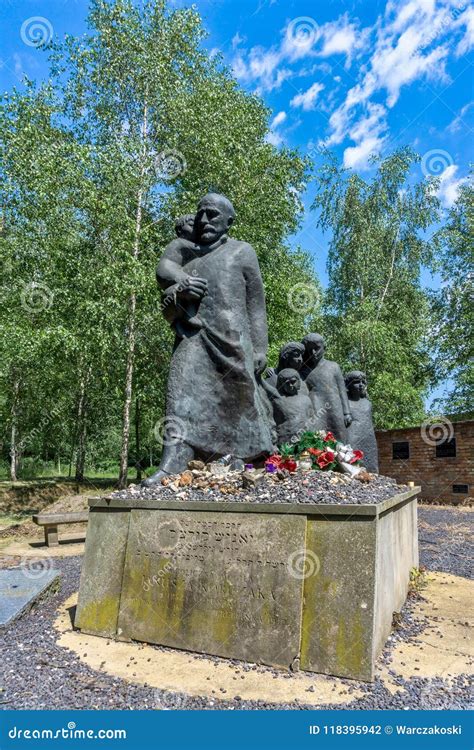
376, 313
317, 446
453, 306
89, 203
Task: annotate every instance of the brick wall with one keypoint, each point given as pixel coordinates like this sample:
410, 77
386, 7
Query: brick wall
436, 476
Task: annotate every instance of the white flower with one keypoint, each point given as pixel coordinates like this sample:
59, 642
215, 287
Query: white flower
344, 453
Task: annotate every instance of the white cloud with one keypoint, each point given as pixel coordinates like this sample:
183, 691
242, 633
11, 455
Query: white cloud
302, 38
373, 124
449, 185
358, 156
467, 42
239, 68
278, 119
368, 134
237, 40
410, 41
398, 62
342, 37
409, 44
274, 138
262, 66
307, 99
18, 65
458, 121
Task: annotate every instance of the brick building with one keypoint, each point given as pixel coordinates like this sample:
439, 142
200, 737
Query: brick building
438, 457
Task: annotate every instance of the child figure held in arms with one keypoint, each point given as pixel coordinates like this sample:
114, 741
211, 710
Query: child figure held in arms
170, 272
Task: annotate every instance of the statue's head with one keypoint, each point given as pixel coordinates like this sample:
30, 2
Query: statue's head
314, 347
184, 227
288, 382
291, 355
356, 384
214, 217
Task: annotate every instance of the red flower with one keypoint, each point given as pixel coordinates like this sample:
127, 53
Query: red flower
326, 458
276, 460
358, 456
329, 436
289, 464
315, 451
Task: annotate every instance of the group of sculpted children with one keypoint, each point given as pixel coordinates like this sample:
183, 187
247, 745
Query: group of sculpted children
306, 391
309, 392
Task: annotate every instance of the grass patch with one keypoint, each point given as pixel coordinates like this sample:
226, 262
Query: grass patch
11, 519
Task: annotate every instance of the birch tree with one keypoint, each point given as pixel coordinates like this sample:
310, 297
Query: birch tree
377, 313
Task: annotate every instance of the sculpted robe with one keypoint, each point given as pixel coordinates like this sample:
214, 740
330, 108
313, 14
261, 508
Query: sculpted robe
213, 397
327, 391
361, 432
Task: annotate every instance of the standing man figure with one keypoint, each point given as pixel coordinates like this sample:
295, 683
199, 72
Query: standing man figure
215, 406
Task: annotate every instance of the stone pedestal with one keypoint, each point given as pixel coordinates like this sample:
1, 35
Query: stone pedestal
277, 584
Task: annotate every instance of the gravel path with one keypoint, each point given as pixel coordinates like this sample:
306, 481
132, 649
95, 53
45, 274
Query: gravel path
37, 673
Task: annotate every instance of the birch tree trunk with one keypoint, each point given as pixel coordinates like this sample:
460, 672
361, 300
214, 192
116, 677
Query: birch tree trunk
132, 307
14, 453
138, 465
81, 432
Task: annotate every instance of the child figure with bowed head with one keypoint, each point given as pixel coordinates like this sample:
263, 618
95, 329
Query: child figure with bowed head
292, 408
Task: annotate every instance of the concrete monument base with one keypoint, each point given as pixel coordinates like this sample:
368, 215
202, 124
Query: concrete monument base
287, 585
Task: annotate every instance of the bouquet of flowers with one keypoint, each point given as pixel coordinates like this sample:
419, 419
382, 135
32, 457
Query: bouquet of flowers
325, 452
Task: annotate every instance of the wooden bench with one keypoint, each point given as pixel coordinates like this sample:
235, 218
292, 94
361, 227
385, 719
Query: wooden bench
51, 521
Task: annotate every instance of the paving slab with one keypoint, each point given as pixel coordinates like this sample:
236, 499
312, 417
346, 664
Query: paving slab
21, 587
444, 656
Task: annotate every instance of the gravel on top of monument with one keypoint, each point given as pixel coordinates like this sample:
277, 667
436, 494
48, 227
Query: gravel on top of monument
312, 487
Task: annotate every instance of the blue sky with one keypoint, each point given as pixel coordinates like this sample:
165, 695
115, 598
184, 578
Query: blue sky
360, 77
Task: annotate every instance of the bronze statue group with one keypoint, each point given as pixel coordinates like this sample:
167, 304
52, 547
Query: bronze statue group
309, 392
222, 399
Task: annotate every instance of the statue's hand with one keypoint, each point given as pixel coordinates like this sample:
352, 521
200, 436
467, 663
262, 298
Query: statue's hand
194, 287
259, 363
347, 419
